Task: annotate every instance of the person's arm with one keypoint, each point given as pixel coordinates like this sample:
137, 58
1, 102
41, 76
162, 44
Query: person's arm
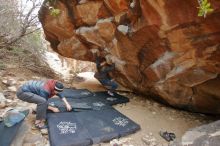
97, 61
68, 106
54, 109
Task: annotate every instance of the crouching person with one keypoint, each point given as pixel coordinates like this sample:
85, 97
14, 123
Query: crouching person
102, 75
39, 91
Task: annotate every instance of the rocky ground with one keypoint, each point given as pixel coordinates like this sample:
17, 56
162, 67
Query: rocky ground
152, 116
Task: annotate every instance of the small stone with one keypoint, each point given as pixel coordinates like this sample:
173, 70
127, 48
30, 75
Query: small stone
170, 118
8, 100
5, 82
35, 77
31, 138
2, 97
12, 88
153, 139
44, 131
2, 105
153, 143
8, 94
115, 142
9, 82
145, 140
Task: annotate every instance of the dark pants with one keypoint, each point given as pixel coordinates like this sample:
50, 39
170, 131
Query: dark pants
34, 98
109, 84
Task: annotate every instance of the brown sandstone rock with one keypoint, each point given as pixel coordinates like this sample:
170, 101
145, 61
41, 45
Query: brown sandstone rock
161, 48
93, 8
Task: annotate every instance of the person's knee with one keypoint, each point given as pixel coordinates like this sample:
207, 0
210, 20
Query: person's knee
20, 95
42, 102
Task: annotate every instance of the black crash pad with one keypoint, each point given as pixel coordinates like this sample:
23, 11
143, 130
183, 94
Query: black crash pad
89, 103
106, 124
76, 93
99, 101
65, 129
122, 124
110, 100
7, 134
88, 127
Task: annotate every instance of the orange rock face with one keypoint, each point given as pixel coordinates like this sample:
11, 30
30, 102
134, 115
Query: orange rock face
161, 48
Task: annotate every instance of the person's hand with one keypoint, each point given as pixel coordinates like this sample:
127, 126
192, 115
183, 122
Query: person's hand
68, 107
103, 63
55, 110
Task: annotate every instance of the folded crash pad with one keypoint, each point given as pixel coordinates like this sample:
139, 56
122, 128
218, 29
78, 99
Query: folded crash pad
88, 127
76, 93
7, 134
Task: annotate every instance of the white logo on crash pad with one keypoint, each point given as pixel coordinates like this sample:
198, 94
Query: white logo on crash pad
99, 104
84, 93
66, 127
111, 99
119, 121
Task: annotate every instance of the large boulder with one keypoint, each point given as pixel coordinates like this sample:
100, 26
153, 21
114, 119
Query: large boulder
160, 48
205, 135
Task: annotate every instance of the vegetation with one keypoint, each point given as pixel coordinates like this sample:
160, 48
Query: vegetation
204, 8
54, 12
21, 37
18, 19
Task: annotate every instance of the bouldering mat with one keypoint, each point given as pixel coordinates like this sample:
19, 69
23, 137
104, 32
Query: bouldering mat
7, 134
76, 93
88, 127
89, 103
122, 124
106, 124
99, 101
110, 100
65, 129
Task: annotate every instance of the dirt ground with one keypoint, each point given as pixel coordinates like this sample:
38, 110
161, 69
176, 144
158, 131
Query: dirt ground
150, 115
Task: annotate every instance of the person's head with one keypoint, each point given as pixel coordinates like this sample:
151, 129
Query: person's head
58, 87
